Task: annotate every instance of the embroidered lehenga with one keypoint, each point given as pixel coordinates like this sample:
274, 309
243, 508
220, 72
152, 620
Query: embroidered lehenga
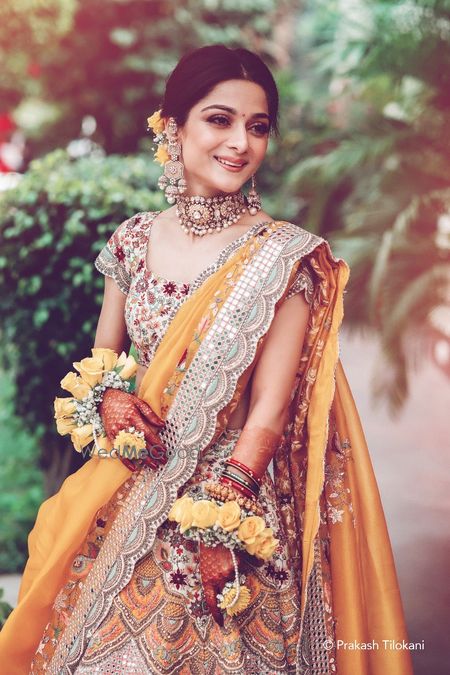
112, 587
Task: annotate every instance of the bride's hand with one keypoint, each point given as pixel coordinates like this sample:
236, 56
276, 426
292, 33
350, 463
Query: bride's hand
216, 568
120, 410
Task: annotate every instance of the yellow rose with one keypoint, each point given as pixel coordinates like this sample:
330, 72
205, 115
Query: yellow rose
64, 407
264, 544
102, 447
129, 445
156, 122
229, 516
108, 356
179, 507
75, 385
250, 528
126, 366
204, 513
267, 548
65, 425
186, 518
91, 370
82, 436
161, 155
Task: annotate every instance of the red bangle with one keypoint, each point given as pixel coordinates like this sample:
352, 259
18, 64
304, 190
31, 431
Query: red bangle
230, 472
235, 485
244, 468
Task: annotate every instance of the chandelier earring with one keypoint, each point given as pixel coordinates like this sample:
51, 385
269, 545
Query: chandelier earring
253, 199
168, 154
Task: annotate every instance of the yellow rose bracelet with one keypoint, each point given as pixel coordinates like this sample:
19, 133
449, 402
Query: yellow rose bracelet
231, 525
79, 416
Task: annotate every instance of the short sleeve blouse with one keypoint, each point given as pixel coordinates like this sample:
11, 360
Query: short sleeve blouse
152, 301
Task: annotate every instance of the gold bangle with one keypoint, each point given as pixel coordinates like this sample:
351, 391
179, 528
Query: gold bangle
225, 493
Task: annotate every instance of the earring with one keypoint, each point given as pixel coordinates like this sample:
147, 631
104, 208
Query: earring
253, 199
172, 181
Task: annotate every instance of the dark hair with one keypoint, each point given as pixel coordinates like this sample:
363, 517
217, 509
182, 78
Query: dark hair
199, 71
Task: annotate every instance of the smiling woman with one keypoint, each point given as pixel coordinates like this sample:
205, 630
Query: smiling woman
223, 146
208, 565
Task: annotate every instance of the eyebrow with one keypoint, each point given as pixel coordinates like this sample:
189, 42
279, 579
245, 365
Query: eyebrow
233, 111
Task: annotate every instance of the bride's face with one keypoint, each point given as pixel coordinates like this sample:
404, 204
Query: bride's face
225, 138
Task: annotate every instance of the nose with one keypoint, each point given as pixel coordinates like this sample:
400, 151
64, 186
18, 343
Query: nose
238, 138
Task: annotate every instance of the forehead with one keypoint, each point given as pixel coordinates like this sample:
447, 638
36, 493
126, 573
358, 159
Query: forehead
247, 98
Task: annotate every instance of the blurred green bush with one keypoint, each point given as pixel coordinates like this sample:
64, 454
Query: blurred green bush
21, 481
52, 226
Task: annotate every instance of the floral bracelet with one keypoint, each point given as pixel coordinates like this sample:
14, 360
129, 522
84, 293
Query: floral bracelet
79, 416
236, 528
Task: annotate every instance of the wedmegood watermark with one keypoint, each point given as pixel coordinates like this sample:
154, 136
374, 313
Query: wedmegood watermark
156, 452
374, 645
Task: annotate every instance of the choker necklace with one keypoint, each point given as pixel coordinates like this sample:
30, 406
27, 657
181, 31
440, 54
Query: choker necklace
204, 215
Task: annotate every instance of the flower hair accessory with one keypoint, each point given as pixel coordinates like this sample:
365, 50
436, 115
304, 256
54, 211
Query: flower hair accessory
168, 154
79, 416
155, 123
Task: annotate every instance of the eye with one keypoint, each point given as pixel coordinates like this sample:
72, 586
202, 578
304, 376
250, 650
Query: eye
221, 120
260, 129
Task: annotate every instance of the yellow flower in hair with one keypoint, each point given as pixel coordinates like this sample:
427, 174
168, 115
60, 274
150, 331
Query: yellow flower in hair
161, 155
242, 602
156, 122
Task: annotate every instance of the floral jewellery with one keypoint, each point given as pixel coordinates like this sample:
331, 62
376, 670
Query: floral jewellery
198, 215
212, 523
168, 154
79, 415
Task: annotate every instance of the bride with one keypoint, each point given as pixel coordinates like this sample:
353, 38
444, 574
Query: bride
234, 316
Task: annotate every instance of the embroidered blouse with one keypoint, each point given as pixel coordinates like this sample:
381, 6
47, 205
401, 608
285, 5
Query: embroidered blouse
152, 300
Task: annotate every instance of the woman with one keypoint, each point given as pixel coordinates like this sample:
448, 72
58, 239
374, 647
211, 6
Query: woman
235, 318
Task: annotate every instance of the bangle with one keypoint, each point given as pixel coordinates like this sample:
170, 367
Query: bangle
236, 486
244, 468
226, 473
224, 493
236, 471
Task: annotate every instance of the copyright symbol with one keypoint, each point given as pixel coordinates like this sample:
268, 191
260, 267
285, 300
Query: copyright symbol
328, 644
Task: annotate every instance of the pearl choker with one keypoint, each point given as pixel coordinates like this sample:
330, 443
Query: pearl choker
204, 215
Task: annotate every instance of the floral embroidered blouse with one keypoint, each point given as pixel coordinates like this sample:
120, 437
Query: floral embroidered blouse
152, 300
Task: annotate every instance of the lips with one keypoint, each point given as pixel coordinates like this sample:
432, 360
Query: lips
230, 163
